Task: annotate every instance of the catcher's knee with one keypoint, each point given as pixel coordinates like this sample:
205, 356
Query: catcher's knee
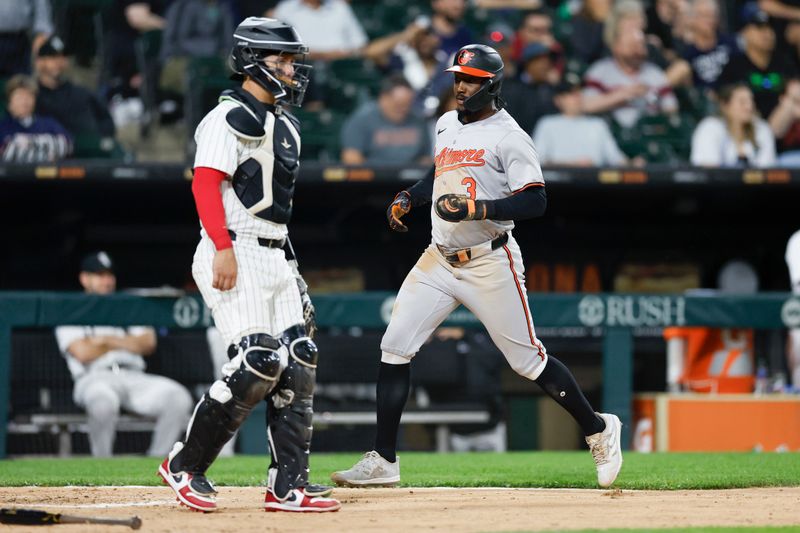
261, 359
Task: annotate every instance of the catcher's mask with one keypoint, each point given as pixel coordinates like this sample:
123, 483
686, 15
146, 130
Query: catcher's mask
256, 40
480, 61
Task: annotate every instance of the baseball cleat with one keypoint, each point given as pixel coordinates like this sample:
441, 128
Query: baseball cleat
371, 471
317, 491
297, 502
194, 491
606, 450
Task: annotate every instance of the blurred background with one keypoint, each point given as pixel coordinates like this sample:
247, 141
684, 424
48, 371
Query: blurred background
669, 131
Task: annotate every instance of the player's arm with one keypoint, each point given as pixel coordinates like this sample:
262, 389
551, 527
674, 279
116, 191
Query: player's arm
88, 349
418, 194
208, 199
142, 344
530, 202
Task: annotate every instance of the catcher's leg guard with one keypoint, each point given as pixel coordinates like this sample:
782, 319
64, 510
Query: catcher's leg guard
289, 418
250, 376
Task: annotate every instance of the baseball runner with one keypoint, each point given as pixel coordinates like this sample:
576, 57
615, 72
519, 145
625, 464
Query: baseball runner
486, 175
248, 148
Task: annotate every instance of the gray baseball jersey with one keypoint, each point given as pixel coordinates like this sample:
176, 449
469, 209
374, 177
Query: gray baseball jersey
488, 160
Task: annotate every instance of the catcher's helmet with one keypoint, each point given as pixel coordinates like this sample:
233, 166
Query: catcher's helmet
256, 38
480, 61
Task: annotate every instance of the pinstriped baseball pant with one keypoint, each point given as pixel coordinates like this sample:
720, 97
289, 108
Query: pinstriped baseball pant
265, 299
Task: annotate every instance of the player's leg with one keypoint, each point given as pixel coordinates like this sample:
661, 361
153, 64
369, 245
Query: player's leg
97, 394
502, 306
424, 301
164, 399
289, 429
257, 362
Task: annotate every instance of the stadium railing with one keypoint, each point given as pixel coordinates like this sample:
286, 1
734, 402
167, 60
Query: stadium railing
616, 316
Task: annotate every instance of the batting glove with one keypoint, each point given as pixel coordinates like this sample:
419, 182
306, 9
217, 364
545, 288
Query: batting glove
399, 207
458, 207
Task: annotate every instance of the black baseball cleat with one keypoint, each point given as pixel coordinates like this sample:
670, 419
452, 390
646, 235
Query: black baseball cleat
317, 491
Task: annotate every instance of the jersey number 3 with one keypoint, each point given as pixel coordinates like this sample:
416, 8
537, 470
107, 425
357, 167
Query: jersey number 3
470, 183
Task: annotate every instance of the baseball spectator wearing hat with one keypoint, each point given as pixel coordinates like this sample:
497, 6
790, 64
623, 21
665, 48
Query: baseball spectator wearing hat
762, 66
107, 364
76, 108
530, 96
571, 138
25, 137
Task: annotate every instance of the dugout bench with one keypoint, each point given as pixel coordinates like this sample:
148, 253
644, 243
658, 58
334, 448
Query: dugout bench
616, 315
44, 418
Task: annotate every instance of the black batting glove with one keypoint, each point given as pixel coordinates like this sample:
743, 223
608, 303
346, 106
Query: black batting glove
398, 208
458, 207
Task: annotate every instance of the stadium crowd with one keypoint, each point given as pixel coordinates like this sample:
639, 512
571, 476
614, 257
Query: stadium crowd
595, 82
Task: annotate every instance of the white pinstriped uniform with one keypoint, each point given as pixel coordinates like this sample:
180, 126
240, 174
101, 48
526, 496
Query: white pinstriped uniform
488, 160
266, 298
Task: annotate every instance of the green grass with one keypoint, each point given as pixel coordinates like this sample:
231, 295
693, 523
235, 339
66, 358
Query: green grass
515, 469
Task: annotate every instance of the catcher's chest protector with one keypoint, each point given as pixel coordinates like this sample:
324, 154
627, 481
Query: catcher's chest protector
265, 182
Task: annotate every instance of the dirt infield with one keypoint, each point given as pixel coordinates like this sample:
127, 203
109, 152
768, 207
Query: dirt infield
396, 510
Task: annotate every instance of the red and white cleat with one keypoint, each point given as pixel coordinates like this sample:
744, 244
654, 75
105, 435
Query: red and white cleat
297, 502
192, 490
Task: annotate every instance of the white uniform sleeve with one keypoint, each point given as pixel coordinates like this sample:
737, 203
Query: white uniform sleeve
519, 160
707, 142
217, 146
66, 335
140, 330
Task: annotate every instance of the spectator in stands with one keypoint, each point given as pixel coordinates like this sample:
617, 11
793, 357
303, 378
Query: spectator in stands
25, 137
738, 137
764, 67
24, 26
586, 39
573, 139
626, 84
666, 24
329, 28
107, 364
414, 52
500, 36
128, 19
785, 20
74, 107
194, 29
387, 131
706, 51
532, 95
447, 23
785, 124
536, 27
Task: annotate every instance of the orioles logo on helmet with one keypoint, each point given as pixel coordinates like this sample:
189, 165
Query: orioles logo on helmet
465, 57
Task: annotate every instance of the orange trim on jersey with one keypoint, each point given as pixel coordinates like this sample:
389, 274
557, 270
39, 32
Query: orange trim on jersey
524, 304
527, 187
442, 170
470, 71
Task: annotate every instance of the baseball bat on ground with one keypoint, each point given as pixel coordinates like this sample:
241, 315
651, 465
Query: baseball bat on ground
30, 517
